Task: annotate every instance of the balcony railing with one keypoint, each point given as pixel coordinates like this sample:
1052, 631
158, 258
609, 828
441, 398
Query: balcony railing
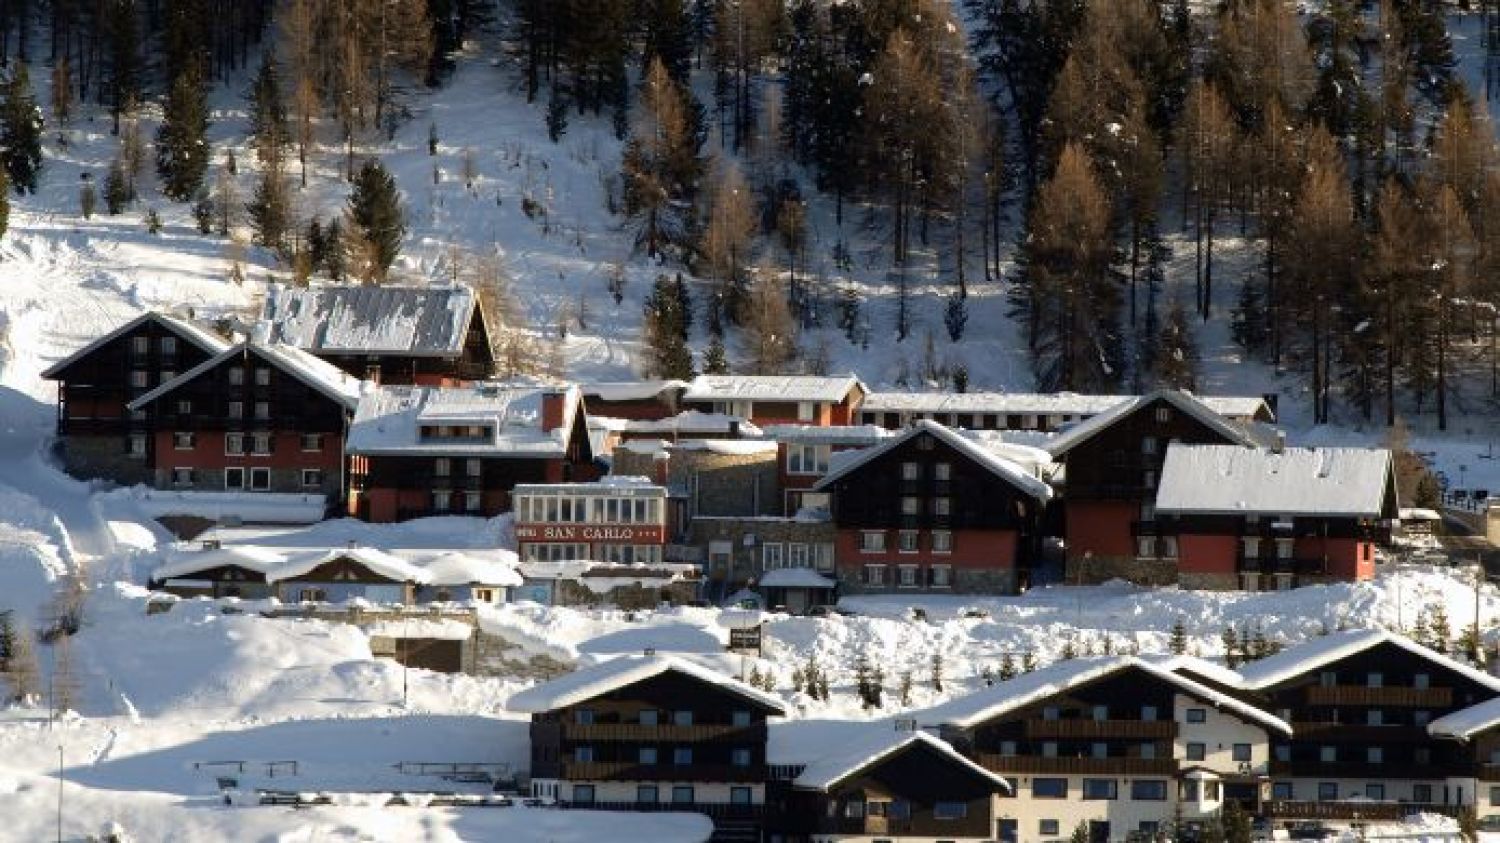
1101, 729
716, 810
1380, 811
1078, 766
1360, 733
628, 771
1363, 695
664, 733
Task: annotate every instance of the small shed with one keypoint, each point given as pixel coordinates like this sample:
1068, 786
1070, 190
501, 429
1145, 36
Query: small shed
797, 589
215, 571
480, 576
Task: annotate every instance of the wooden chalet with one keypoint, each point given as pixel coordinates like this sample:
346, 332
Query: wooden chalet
216, 571
1112, 467
1275, 518
651, 733
98, 435
634, 400
418, 451
396, 335
1038, 411
1475, 733
778, 399
253, 418
892, 784
1119, 745
344, 574
1361, 703
936, 510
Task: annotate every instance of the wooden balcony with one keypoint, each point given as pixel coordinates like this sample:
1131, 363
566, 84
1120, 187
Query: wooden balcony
1359, 733
1102, 729
666, 733
629, 771
716, 810
1340, 695
1008, 764
1285, 809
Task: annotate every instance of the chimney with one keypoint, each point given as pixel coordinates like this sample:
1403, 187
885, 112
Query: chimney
553, 403
661, 463
1280, 445
372, 374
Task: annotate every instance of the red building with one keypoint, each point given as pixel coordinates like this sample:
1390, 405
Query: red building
1258, 518
417, 451
934, 509
804, 454
1111, 469
254, 418
618, 520
634, 400
778, 399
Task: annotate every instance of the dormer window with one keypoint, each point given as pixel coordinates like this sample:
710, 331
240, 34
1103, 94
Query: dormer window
459, 432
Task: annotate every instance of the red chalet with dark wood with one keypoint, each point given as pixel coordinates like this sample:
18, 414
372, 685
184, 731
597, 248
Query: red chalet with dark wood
935, 509
254, 418
778, 399
98, 436
416, 451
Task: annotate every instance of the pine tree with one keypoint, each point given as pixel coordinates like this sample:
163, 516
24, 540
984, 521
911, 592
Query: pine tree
203, 212
665, 337
268, 126
716, 359
1442, 633
1007, 667
1080, 833
269, 209
153, 221
905, 689
88, 197
1231, 647
1069, 650
937, 672
770, 335
956, 316
226, 202
1177, 352
1028, 662
182, 150
116, 187
987, 676
726, 241
557, 115
20, 131
7, 639
375, 211
1178, 642
22, 673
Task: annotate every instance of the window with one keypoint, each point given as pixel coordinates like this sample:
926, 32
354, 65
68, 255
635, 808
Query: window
236, 409
184, 407
260, 479
682, 794
908, 576
1148, 511
182, 477
1049, 749
1163, 414
1169, 547
1101, 789
872, 541
1421, 680
1148, 479
770, 556
312, 478
1328, 754
1047, 828
440, 467
682, 756
1284, 549
806, 410
1374, 755
739, 796
739, 718
1495, 796
1281, 790
1148, 713
648, 717
1049, 788
797, 555
942, 506
646, 755
1148, 445
647, 794
807, 459
136, 445
1421, 793
473, 501
1421, 718
184, 441
262, 410
1148, 790
1100, 713
949, 810
168, 345
875, 575
855, 808
907, 541
739, 757
1051, 712
1375, 791
1252, 547
583, 753
1328, 679
1148, 751
911, 505
1099, 749
1197, 715
471, 466
234, 444
1195, 751
262, 376
942, 471
682, 718
942, 541
583, 794
442, 500
942, 576
312, 442
236, 376
1008, 748
140, 345
261, 443
139, 378
1375, 680
234, 479
1145, 547
1328, 791
1374, 717
911, 471
823, 557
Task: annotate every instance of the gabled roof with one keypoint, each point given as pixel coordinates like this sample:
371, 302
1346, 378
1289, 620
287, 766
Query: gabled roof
1315, 653
1030, 688
629, 390
1467, 722
1185, 664
389, 420
879, 743
771, 388
466, 568
693, 423
1001, 467
1187, 403
414, 321
813, 434
587, 683
321, 375
1232, 479
210, 342
257, 559
795, 578
377, 561
1023, 403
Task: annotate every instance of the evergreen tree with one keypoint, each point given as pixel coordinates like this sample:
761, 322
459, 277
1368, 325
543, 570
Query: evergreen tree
1177, 352
1007, 667
270, 209
375, 210
182, 149
203, 212
268, 125
716, 359
1231, 647
22, 673
88, 197
116, 187
7, 639
333, 259
1442, 633
1178, 642
557, 115
1028, 662
1080, 833
1069, 650
905, 689
124, 58
1236, 822
20, 131
670, 357
937, 672
956, 316
153, 221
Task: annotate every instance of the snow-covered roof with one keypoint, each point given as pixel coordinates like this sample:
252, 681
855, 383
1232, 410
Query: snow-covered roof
795, 578
608, 486
629, 390
1178, 663
1184, 401
1467, 722
1317, 652
879, 742
377, 561
417, 321
1417, 513
695, 422
859, 434
1038, 403
460, 568
1229, 479
250, 558
727, 447
1238, 406
998, 465
1030, 688
775, 388
389, 420
319, 374
205, 339
587, 683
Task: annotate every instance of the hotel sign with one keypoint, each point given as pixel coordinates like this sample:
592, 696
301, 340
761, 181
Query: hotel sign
634, 534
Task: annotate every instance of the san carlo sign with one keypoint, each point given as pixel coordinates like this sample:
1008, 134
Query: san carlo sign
584, 533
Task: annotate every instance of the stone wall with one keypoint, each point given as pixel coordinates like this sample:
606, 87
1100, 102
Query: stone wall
965, 581
283, 480
105, 457
713, 483
1099, 569
745, 558
1209, 582
634, 596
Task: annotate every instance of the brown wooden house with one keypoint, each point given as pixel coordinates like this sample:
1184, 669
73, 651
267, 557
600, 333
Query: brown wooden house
935, 510
1475, 732
254, 418
1111, 470
419, 451
634, 400
396, 335
651, 733
98, 435
344, 574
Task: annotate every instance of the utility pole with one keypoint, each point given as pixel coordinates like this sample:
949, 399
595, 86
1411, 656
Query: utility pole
59, 791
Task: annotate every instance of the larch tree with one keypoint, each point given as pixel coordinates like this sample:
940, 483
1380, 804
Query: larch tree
268, 129
727, 240
1396, 280
770, 334
660, 164
1208, 148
